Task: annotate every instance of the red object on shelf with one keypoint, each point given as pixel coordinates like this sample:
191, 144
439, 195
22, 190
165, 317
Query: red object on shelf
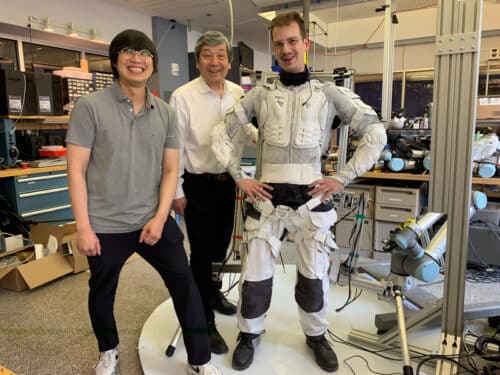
52, 152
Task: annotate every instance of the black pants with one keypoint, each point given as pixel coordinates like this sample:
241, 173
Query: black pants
169, 259
209, 222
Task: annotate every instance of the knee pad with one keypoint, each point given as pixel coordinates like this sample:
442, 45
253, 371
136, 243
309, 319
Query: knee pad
256, 298
309, 294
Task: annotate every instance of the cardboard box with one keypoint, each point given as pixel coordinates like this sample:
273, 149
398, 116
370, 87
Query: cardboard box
66, 239
38, 272
34, 273
488, 108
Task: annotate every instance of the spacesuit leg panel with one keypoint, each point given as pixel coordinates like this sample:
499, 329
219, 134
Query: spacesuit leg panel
257, 273
314, 244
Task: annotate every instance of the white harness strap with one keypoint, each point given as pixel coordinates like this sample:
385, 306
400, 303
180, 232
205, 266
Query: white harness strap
308, 206
300, 174
273, 242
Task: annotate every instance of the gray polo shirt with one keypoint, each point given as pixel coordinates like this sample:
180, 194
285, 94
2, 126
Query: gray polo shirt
125, 166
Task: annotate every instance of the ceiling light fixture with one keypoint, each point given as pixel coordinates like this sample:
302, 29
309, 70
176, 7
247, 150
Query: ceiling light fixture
71, 30
47, 25
268, 15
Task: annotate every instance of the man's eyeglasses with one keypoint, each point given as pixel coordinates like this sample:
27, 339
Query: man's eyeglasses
142, 53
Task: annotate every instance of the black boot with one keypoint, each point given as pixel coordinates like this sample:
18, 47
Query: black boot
243, 354
222, 305
323, 353
217, 343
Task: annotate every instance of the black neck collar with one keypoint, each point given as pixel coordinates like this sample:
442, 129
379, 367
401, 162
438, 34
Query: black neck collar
294, 79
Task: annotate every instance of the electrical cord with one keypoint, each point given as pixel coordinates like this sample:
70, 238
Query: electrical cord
367, 365
355, 238
340, 340
171, 26
452, 359
477, 273
470, 358
344, 217
17, 263
478, 257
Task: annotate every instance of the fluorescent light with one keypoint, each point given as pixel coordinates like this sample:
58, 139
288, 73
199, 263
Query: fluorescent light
71, 30
47, 26
268, 15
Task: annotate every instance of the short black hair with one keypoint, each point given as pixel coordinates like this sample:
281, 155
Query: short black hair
134, 39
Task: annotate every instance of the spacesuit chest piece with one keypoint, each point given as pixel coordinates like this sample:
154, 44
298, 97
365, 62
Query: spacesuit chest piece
296, 116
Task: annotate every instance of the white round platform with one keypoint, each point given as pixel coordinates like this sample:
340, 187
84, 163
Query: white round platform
282, 350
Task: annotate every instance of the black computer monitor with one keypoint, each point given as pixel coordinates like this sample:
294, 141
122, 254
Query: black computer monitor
246, 55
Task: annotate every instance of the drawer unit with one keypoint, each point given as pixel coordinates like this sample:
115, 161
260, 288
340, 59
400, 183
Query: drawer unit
394, 196
343, 233
63, 213
396, 214
41, 199
397, 204
40, 196
42, 181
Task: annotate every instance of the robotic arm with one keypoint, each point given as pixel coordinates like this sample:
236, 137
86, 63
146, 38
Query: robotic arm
409, 257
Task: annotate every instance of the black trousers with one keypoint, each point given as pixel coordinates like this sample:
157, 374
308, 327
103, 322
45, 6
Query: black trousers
169, 259
209, 222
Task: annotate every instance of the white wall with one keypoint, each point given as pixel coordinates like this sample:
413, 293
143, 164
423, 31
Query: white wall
407, 57
106, 19
412, 25
415, 24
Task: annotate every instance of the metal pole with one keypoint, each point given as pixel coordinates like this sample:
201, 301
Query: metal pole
388, 61
407, 369
458, 35
305, 15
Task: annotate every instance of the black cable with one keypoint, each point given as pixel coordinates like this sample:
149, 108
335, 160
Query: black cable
445, 358
356, 232
478, 257
344, 217
339, 340
368, 366
477, 273
470, 358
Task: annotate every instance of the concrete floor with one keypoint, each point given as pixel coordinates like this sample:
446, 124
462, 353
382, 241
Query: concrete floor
47, 330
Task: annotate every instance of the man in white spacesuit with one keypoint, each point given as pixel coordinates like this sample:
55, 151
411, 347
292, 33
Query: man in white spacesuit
295, 117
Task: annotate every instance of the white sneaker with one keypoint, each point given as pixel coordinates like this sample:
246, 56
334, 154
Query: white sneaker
108, 363
206, 369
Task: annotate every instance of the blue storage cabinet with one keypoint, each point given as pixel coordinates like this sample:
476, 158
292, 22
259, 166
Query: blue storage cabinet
39, 197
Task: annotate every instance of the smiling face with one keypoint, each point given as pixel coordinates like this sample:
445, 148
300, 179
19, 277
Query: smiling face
134, 70
213, 64
289, 47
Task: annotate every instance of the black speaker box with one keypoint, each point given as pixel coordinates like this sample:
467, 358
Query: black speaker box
29, 145
43, 89
58, 95
55, 139
14, 90
30, 106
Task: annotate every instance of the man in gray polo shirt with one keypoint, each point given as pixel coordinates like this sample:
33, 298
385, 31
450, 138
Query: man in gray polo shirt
122, 171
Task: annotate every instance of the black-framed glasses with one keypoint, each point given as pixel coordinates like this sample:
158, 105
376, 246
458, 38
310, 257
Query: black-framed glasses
142, 53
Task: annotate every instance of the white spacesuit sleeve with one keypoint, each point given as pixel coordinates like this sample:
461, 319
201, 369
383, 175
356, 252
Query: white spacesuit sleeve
364, 121
229, 137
